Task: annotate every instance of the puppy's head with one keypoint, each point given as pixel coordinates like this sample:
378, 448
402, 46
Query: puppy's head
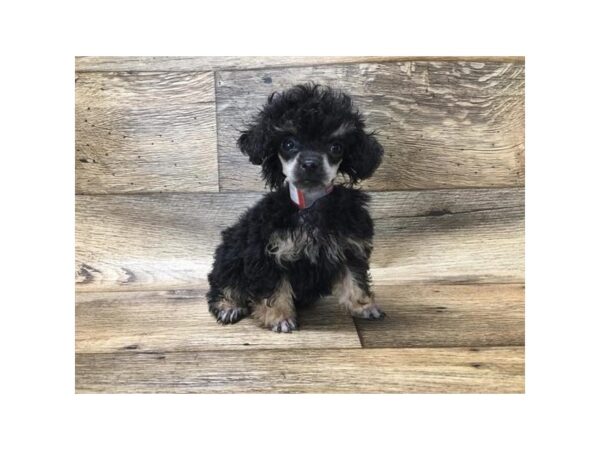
308, 134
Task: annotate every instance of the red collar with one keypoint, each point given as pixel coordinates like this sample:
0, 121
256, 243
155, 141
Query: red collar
305, 198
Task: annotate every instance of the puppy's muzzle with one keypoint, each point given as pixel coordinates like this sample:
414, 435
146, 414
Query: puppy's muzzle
310, 163
309, 169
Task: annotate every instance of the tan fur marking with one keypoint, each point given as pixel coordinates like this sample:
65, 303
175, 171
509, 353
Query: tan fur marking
230, 300
285, 247
350, 295
363, 247
280, 306
289, 247
230, 294
292, 246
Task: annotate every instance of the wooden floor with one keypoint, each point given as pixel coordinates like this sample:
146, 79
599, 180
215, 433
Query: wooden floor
158, 176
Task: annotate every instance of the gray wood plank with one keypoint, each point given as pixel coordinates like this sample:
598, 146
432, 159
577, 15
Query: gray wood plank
165, 241
178, 320
449, 236
467, 370
150, 241
145, 132
443, 124
447, 316
207, 63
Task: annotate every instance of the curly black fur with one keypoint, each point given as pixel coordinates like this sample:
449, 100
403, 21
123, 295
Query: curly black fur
336, 231
241, 262
315, 111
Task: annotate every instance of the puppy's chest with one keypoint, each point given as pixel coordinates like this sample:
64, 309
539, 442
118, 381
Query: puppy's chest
313, 244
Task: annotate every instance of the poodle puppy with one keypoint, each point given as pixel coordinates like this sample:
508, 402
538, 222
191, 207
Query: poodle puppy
307, 238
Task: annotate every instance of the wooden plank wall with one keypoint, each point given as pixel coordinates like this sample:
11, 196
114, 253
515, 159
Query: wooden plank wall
443, 124
158, 176
158, 241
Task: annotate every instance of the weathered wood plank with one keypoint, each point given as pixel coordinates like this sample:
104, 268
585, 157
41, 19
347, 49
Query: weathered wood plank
443, 124
145, 132
163, 241
468, 370
150, 241
447, 316
208, 63
449, 236
178, 320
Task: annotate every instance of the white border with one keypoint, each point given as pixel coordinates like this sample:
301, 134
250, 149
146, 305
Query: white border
40, 409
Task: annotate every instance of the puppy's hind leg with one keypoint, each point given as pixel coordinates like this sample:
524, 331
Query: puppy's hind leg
227, 305
277, 312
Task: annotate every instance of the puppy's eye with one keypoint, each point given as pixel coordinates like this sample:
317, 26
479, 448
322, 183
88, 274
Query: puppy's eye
335, 150
288, 145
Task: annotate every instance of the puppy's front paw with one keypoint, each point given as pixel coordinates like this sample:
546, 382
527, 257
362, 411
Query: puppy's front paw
285, 326
229, 315
371, 312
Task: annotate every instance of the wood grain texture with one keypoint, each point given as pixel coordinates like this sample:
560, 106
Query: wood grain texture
145, 132
443, 124
178, 320
208, 63
447, 316
487, 370
150, 241
449, 236
165, 241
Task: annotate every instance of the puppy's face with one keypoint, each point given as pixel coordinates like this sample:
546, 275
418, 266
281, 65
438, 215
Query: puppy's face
307, 135
308, 164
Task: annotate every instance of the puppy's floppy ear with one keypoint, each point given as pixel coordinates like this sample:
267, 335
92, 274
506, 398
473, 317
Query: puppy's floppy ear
251, 143
256, 142
363, 158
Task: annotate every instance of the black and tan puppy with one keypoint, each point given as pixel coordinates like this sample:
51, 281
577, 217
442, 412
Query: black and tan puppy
308, 238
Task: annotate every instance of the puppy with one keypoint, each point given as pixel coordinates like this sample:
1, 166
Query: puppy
307, 238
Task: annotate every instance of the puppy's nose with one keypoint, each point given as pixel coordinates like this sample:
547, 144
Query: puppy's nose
309, 164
